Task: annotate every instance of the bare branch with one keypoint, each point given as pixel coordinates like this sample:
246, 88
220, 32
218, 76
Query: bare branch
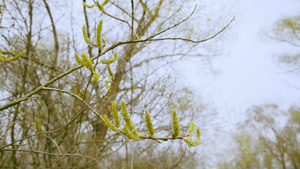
75, 96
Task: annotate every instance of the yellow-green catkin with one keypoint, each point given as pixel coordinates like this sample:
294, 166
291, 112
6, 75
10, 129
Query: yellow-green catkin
128, 122
176, 127
149, 125
86, 38
126, 117
133, 135
110, 73
115, 113
88, 63
17, 56
98, 34
109, 124
79, 61
111, 60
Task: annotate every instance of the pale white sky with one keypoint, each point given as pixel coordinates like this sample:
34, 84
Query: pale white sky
249, 76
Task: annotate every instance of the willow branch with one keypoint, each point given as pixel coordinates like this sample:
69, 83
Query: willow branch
25, 97
196, 41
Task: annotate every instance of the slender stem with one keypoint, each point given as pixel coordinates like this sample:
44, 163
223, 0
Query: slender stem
75, 96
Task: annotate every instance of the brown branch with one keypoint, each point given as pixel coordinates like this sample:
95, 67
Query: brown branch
56, 46
54, 142
160, 138
25, 97
123, 10
132, 19
75, 96
6, 131
198, 41
119, 19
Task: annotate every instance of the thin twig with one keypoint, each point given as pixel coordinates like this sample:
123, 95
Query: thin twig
175, 25
75, 96
54, 143
5, 133
132, 19
196, 41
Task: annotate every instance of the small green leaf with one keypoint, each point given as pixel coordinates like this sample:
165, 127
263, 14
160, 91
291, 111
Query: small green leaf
12, 49
105, 2
191, 128
38, 125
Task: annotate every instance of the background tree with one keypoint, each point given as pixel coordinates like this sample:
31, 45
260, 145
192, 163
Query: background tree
268, 138
287, 30
47, 99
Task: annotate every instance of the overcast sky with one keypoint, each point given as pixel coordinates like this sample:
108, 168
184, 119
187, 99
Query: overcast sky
249, 74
